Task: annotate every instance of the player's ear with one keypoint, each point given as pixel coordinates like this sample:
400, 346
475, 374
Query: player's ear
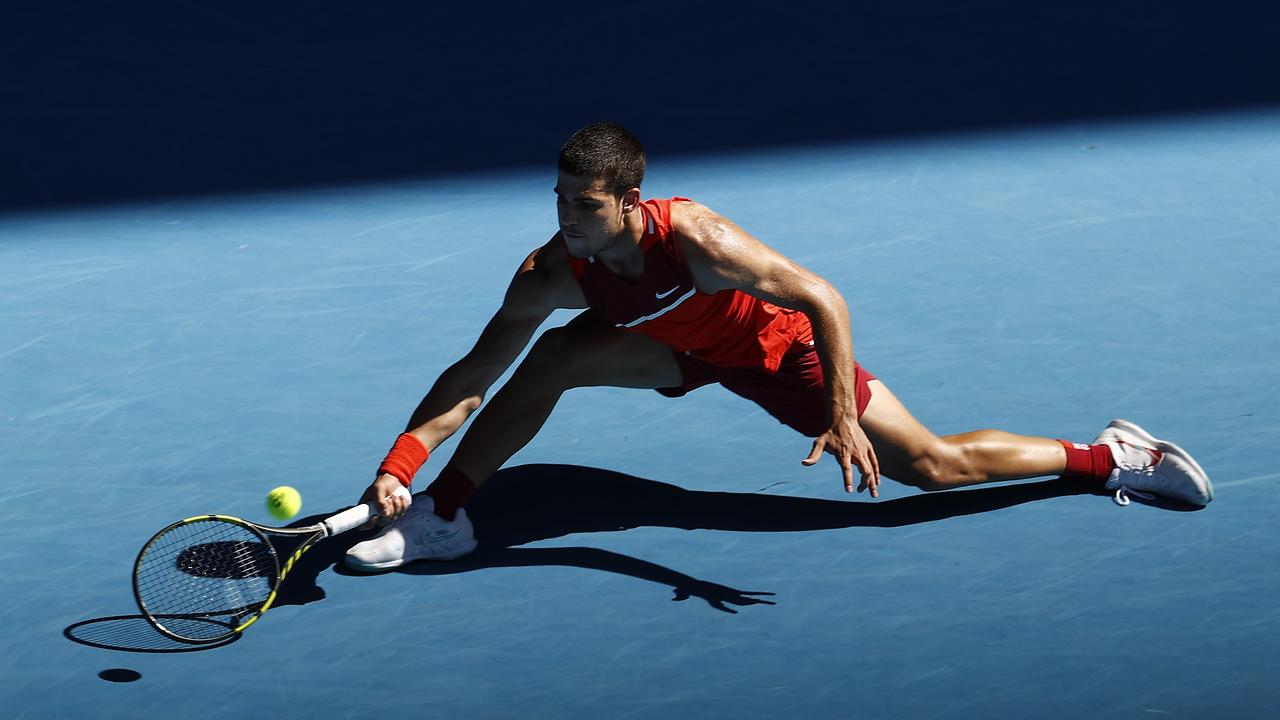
630, 200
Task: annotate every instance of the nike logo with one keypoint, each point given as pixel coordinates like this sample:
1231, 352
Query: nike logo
435, 536
661, 295
1156, 455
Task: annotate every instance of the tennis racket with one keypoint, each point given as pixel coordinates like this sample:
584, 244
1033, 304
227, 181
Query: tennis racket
206, 578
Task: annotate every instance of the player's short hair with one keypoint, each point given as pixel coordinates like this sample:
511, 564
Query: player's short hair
605, 151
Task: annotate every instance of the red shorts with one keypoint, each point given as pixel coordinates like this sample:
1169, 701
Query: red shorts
794, 395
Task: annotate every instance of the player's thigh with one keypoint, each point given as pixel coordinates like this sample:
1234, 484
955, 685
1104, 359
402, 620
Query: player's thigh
590, 351
903, 445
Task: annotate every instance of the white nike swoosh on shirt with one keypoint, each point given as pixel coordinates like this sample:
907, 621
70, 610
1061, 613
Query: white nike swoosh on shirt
661, 295
679, 301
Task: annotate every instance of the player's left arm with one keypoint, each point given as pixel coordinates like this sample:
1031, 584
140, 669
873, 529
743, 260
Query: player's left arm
722, 256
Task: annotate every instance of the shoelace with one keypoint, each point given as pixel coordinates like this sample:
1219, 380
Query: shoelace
1123, 492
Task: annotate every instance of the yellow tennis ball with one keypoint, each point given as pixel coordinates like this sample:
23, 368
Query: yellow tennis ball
284, 502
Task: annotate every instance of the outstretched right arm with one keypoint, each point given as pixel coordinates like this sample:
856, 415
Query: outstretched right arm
542, 284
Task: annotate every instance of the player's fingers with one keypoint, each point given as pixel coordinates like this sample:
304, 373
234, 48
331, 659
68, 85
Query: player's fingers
816, 454
853, 461
387, 506
402, 503
863, 477
874, 463
847, 468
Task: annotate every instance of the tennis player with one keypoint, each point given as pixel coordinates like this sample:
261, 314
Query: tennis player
675, 296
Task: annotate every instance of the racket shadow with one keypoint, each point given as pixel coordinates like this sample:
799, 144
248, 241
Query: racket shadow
132, 633
528, 503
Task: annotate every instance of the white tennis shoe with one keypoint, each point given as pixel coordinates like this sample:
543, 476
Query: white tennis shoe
1147, 466
419, 534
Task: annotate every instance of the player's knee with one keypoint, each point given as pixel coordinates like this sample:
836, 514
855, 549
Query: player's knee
544, 357
927, 477
551, 359
934, 471
549, 344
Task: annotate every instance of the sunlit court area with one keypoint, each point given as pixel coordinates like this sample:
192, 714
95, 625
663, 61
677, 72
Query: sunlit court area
236, 252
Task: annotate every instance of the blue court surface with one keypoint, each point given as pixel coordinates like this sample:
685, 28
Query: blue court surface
655, 558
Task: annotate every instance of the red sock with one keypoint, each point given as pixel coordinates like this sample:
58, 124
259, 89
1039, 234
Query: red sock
1088, 461
450, 491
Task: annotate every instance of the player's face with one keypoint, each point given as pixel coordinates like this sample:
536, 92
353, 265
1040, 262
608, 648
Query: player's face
591, 217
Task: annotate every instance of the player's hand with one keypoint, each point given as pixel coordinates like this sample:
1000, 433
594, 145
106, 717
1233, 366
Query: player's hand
851, 448
382, 493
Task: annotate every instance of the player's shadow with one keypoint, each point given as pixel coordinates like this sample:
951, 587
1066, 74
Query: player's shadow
528, 503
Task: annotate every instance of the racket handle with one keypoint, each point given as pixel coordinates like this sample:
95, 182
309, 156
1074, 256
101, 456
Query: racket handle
353, 518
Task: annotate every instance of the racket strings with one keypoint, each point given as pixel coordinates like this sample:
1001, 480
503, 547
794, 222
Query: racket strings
205, 569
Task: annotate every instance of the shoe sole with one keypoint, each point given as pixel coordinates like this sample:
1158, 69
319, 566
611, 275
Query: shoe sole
1169, 448
390, 564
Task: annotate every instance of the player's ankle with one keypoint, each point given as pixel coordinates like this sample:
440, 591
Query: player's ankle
451, 490
1087, 462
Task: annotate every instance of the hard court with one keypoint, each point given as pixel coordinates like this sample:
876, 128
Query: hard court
655, 558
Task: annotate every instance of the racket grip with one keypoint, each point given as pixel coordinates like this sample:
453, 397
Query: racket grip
353, 518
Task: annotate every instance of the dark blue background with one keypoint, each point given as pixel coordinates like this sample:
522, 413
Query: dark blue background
101, 102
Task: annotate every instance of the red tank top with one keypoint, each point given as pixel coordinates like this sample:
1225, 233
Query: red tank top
729, 328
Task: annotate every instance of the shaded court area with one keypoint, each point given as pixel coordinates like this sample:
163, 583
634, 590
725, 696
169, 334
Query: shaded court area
654, 558
111, 103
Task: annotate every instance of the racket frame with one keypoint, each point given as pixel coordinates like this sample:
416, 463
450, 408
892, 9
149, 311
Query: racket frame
346, 520
263, 533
